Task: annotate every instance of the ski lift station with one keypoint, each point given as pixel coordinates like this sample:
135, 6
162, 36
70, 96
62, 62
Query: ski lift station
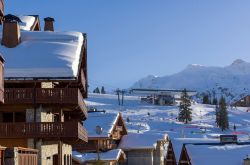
160, 96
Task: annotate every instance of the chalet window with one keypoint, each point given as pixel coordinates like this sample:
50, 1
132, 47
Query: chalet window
65, 159
56, 118
7, 117
14, 117
20, 117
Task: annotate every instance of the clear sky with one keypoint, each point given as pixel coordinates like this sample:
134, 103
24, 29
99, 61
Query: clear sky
130, 39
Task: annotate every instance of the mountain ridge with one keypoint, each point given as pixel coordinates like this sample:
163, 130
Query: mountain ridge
232, 80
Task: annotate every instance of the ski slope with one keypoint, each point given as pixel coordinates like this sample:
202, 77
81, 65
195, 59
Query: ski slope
153, 119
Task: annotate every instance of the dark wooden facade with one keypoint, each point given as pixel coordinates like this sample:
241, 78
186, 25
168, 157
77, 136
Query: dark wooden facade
184, 158
49, 130
2, 150
170, 157
243, 102
1, 80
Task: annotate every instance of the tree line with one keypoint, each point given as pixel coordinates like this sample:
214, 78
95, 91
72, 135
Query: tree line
221, 113
97, 90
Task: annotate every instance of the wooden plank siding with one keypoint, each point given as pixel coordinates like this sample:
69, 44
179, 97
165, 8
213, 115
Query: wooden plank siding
2, 149
72, 129
1, 80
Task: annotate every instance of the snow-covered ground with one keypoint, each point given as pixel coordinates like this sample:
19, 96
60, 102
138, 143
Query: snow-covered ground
153, 119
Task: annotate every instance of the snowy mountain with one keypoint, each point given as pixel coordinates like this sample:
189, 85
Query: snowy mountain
232, 81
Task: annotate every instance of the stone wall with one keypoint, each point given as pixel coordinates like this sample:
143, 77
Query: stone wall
159, 153
47, 149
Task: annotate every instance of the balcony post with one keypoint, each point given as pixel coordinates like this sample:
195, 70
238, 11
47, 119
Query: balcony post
60, 152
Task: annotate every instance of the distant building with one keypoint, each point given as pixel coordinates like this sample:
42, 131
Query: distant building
243, 102
160, 96
144, 149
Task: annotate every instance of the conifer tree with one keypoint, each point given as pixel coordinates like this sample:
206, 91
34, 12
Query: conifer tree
103, 90
223, 114
217, 120
205, 99
215, 101
185, 111
96, 90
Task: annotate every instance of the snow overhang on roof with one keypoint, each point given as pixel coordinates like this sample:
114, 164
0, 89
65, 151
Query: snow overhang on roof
229, 154
112, 155
134, 141
178, 143
106, 121
44, 55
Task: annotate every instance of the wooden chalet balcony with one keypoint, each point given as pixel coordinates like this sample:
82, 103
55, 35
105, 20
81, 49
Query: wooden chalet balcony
69, 96
72, 129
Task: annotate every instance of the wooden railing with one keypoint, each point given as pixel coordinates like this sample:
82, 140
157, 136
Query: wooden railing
72, 129
45, 96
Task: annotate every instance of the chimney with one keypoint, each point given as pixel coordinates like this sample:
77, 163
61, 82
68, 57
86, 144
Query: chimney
49, 24
11, 31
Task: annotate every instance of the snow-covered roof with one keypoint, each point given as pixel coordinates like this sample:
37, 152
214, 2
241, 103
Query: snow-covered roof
50, 55
134, 141
178, 143
112, 155
27, 22
218, 154
106, 121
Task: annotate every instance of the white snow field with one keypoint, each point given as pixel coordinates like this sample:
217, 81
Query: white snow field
153, 119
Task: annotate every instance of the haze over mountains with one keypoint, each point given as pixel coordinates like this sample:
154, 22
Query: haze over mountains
232, 81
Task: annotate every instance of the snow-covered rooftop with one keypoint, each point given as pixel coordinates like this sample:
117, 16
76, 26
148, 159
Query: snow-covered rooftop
105, 120
222, 154
178, 143
50, 55
112, 155
27, 22
139, 141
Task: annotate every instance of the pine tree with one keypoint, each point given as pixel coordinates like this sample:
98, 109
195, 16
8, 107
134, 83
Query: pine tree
185, 111
215, 101
205, 99
103, 90
96, 90
217, 120
223, 114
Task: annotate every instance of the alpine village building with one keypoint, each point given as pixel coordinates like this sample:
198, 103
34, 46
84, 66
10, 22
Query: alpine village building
43, 81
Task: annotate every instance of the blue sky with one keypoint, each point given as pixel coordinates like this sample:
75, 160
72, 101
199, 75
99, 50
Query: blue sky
129, 39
